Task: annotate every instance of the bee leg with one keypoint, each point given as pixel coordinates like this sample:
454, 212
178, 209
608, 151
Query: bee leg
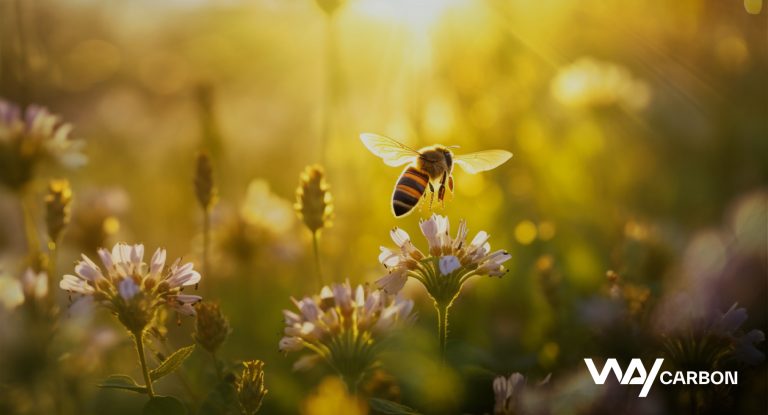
441, 190
431, 195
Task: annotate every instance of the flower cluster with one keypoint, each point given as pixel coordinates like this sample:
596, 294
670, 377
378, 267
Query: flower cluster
341, 326
30, 135
450, 261
130, 288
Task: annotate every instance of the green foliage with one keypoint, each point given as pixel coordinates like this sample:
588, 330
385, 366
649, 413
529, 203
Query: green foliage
164, 405
384, 406
220, 400
122, 382
172, 363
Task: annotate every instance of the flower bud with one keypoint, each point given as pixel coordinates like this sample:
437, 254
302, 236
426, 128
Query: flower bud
204, 186
314, 202
57, 207
250, 387
211, 327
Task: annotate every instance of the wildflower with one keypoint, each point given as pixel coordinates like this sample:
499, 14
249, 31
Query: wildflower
449, 264
314, 202
250, 387
211, 327
57, 207
132, 289
343, 326
27, 137
742, 345
715, 343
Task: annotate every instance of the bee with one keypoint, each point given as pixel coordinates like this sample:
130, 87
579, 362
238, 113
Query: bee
428, 167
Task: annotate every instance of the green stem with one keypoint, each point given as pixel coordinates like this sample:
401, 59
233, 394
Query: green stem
442, 327
52, 251
316, 251
206, 240
30, 228
139, 338
331, 84
217, 365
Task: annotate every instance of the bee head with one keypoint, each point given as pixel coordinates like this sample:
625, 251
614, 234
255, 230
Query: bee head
448, 157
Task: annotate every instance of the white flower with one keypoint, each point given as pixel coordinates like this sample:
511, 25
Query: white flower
452, 255
28, 136
139, 287
341, 325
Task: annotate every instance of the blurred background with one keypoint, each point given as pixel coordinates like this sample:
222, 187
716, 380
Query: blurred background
639, 136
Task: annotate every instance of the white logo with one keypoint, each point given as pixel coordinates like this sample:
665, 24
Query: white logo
636, 374
642, 377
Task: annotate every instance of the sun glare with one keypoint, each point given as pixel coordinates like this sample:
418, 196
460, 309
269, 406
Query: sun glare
416, 15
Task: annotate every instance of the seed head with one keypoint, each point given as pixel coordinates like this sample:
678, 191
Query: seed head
57, 207
314, 202
211, 327
250, 387
204, 185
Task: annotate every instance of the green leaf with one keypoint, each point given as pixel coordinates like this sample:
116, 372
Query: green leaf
172, 363
164, 405
122, 382
220, 400
384, 406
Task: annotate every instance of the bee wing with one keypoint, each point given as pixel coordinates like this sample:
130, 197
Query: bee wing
482, 160
393, 152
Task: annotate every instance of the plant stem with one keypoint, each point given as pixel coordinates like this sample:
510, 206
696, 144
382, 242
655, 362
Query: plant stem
52, 251
30, 228
217, 366
316, 251
442, 327
331, 84
206, 239
139, 338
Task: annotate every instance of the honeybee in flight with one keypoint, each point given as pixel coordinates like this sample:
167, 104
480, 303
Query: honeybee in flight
428, 167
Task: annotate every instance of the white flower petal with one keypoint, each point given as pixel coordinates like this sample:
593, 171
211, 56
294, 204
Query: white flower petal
400, 237
394, 281
72, 283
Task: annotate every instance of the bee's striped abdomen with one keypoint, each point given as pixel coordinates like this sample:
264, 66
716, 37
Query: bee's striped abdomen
408, 190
